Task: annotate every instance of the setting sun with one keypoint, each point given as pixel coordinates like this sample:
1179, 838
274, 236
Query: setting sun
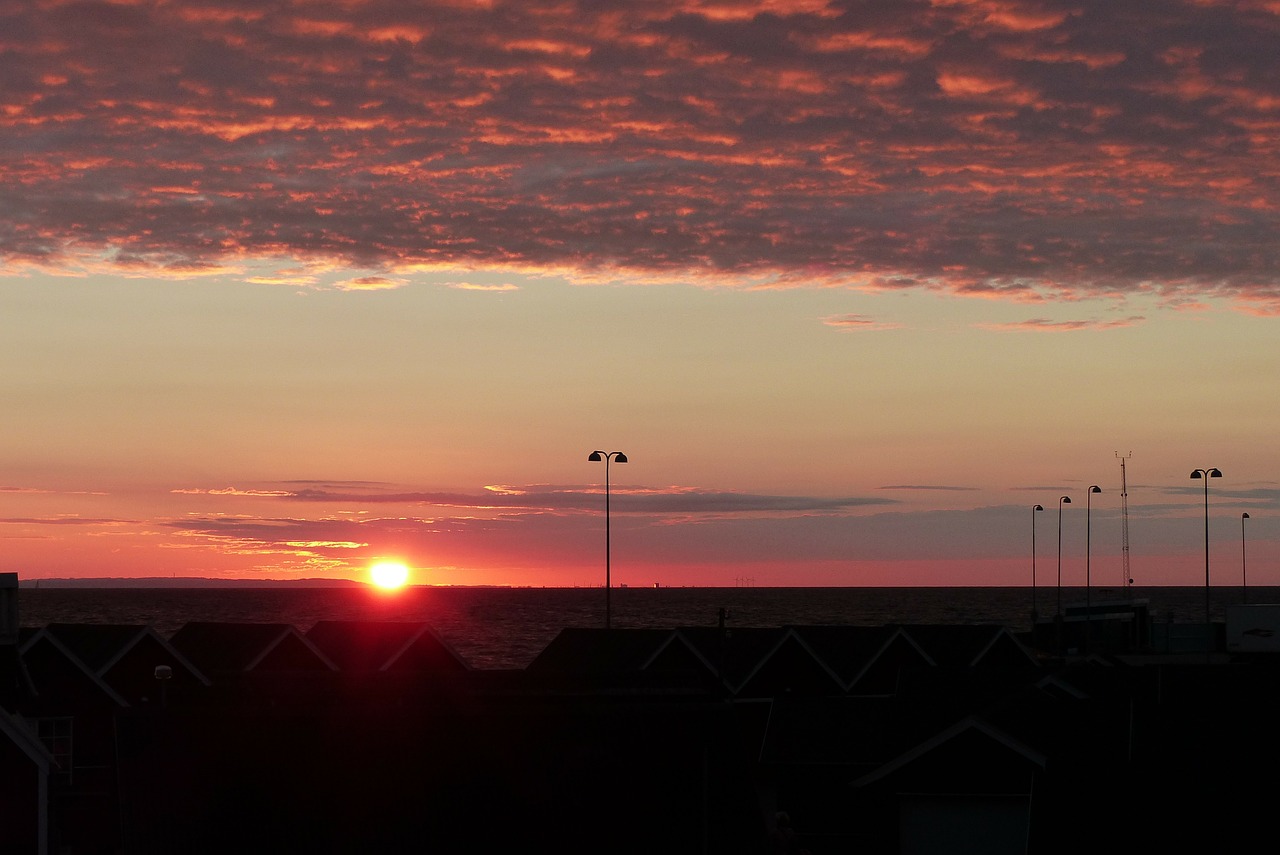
389, 575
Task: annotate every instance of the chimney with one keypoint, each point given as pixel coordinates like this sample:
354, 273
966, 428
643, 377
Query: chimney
8, 608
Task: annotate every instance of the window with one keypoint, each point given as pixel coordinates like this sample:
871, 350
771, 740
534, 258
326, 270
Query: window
55, 733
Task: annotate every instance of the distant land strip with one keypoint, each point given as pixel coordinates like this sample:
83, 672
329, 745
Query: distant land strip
188, 582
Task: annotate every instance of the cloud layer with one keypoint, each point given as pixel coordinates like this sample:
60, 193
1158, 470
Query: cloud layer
668, 500
1012, 149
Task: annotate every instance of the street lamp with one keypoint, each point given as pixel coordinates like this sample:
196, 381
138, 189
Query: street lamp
1205, 475
1034, 510
1088, 557
1244, 575
1062, 500
607, 457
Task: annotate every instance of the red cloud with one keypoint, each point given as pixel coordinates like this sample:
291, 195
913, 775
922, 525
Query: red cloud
1072, 149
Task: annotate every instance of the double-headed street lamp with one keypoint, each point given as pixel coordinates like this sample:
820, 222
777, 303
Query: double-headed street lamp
1034, 510
607, 457
1205, 475
1062, 500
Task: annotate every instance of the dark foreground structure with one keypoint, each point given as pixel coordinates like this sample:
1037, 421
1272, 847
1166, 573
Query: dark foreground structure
376, 737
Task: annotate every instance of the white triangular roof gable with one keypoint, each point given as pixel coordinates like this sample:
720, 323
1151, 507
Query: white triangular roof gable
286, 632
1001, 632
675, 637
678, 635
971, 723
148, 632
897, 633
790, 633
44, 635
425, 629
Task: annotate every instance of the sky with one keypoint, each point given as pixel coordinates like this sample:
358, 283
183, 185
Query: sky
287, 288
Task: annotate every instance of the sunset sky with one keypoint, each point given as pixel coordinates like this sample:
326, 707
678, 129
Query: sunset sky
290, 287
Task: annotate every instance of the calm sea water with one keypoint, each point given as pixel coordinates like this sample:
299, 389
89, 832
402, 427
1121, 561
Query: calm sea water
508, 627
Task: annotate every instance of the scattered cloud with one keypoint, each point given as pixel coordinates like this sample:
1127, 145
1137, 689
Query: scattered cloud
1047, 325
928, 487
473, 286
294, 276
559, 541
631, 499
1218, 491
1016, 150
43, 491
857, 323
229, 491
371, 283
551, 498
62, 520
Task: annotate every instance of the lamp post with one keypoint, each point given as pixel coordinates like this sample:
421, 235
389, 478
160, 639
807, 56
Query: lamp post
1062, 500
607, 457
1088, 557
1244, 574
1205, 475
1034, 510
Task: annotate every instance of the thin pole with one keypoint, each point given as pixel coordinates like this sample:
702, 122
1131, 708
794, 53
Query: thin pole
1127, 582
1207, 632
1058, 610
608, 457
1034, 613
1088, 558
608, 586
1244, 573
1206, 474
1057, 618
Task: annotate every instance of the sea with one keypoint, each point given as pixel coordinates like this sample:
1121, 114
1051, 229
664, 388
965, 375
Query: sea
497, 628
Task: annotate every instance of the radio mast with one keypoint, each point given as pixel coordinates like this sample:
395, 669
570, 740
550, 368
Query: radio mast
1124, 525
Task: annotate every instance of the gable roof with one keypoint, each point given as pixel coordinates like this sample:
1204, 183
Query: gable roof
968, 645
791, 664
853, 652
733, 655
102, 646
232, 648
39, 672
371, 646
966, 727
676, 654
592, 650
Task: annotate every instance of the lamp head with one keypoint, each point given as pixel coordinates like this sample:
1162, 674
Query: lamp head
1038, 508
1245, 516
595, 457
1095, 489
1215, 473
1065, 500
619, 457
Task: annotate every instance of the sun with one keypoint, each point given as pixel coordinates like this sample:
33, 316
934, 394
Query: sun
389, 575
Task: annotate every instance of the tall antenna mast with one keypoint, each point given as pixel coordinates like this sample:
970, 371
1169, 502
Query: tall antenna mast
1124, 525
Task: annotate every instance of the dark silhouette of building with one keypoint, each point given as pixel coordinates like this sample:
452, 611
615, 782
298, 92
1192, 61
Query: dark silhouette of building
378, 737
